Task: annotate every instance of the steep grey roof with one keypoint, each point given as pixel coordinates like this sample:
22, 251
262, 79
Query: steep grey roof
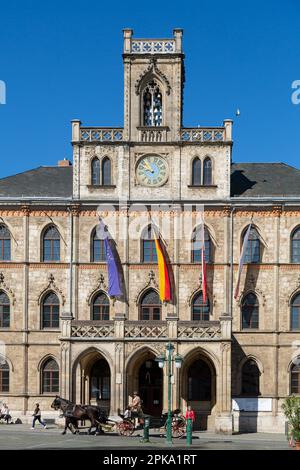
44, 181
247, 180
264, 179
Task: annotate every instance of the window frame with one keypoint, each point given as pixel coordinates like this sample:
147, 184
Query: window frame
202, 307
52, 241
51, 373
151, 307
5, 238
256, 305
2, 306
101, 307
51, 314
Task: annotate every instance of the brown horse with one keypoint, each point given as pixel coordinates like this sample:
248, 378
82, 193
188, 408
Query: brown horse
74, 413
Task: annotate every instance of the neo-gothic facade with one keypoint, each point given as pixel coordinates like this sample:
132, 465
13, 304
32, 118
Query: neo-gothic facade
62, 334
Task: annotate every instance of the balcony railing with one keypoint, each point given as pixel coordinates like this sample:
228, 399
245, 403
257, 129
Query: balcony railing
148, 46
146, 330
159, 330
194, 330
86, 329
198, 134
101, 134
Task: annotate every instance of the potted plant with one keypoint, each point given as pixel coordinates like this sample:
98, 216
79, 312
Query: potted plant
291, 409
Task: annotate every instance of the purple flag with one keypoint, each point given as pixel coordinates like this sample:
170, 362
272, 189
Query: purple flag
114, 284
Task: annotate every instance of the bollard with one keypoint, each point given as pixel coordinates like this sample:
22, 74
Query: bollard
146, 430
189, 431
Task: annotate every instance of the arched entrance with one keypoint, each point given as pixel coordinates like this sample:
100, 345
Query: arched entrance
199, 389
92, 378
145, 377
150, 387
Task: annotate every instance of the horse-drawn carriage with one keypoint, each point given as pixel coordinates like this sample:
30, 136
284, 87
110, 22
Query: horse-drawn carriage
125, 427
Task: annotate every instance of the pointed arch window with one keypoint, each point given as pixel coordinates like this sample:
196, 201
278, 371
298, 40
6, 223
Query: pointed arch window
207, 172
98, 252
5, 243
150, 306
100, 307
295, 377
51, 244
152, 105
295, 313
50, 377
250, 378
197, 244
200, 310
95, 172
295, 248
106, 171
196, 172
50, 311
250, 312
4, 376
253, 250
4, 310
149, 254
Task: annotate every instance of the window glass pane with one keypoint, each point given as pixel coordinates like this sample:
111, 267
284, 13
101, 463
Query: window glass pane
106, 172
207, 172
96, 172
196, 172
295, 314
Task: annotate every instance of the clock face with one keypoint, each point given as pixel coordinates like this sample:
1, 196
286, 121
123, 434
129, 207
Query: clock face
152, 170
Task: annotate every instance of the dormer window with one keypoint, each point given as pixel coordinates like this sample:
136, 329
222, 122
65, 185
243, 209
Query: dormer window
152, 101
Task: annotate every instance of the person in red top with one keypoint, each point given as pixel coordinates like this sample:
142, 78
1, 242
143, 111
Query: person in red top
190, 413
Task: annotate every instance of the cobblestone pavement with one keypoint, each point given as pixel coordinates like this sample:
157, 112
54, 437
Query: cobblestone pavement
20, 436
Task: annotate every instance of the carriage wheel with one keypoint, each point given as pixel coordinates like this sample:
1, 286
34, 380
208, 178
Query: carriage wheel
178, 428
125, 428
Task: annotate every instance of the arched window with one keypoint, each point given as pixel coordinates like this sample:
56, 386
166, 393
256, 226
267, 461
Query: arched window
207, 172
253, 247
295, 378
295, 313
4, 375
149, 254
95, 172
5, 242
200, 310
100, 380
50, 377
50, 311
150, 306
4, 310
250, 311
197, 244
106, 171
152, 103
51, 244
100, 307
250, 378
196, 172
295, 248
98, 252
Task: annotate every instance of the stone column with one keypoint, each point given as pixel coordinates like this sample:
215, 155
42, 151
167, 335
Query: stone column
118, 382
224, 418
65, 356
26, 211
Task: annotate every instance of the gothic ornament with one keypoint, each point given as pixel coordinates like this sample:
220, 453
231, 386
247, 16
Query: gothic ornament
7, 289
52, 286
152, 70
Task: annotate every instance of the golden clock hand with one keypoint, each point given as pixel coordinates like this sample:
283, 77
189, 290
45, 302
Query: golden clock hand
148, 166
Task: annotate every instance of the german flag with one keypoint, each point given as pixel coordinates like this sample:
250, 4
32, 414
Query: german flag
163, 271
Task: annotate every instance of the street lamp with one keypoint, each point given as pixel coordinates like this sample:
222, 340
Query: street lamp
169, 359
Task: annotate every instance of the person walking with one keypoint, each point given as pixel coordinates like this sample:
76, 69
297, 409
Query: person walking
37, 417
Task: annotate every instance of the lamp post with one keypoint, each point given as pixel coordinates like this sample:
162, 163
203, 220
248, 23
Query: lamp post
169, 359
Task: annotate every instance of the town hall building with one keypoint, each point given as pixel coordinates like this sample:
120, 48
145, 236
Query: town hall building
60, 331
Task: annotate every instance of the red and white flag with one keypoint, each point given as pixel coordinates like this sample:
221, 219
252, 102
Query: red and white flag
242, 261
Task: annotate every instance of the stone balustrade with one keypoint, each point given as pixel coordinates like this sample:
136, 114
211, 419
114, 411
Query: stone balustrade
171, 329
198, 134
101, 134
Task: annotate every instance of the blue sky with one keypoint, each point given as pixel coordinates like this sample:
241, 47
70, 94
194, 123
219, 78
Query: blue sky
62, 60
